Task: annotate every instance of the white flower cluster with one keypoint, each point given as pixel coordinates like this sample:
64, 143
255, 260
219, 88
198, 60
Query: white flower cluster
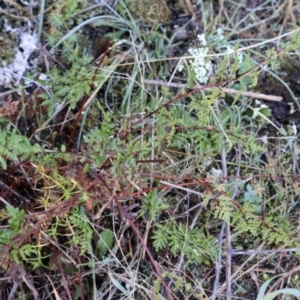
200, 63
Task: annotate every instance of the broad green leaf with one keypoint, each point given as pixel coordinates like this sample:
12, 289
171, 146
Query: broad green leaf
263, 289
106, 242
292, 292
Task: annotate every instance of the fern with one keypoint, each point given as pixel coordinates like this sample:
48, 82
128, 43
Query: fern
272, 229
82, 232
194, 244
70, 87
224, 209
152, 205
160, 237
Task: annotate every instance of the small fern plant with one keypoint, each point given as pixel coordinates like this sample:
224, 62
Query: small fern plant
195, 244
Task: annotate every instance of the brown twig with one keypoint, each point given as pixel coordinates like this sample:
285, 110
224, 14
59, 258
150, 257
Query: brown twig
252, 252
28, 281
218, 263
227, 224
228, 263
191, 10
5, 187
282, 277
224, 89
128, 218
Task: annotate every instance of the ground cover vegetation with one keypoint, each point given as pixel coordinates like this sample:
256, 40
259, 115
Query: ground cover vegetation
149, 149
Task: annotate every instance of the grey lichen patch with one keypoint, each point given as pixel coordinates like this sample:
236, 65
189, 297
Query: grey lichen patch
17, 42
150, 11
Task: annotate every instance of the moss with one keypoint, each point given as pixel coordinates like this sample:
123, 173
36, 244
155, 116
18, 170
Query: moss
150, 11
8, 43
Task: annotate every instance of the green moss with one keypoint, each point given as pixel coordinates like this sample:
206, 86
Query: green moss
8, 42
150, 11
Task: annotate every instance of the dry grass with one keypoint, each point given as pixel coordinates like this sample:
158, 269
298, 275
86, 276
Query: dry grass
145, 152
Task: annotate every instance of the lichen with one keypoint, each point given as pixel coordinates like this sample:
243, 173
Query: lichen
17, 42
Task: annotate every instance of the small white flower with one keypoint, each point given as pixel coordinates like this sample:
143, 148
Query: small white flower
201, 38
201, 74
200, 63
256, 110
294, 128
180, 67
264, 139
240, 57
220, 33
216, 172
206, 162
43, 77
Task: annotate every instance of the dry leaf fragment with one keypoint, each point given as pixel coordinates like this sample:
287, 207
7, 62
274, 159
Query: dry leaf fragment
9, 108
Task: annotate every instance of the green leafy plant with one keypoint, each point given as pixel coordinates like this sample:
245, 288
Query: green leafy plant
135, 140
152, 205
82, 232
270, 296
15, 218
15, 146
105, 243
193, 243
